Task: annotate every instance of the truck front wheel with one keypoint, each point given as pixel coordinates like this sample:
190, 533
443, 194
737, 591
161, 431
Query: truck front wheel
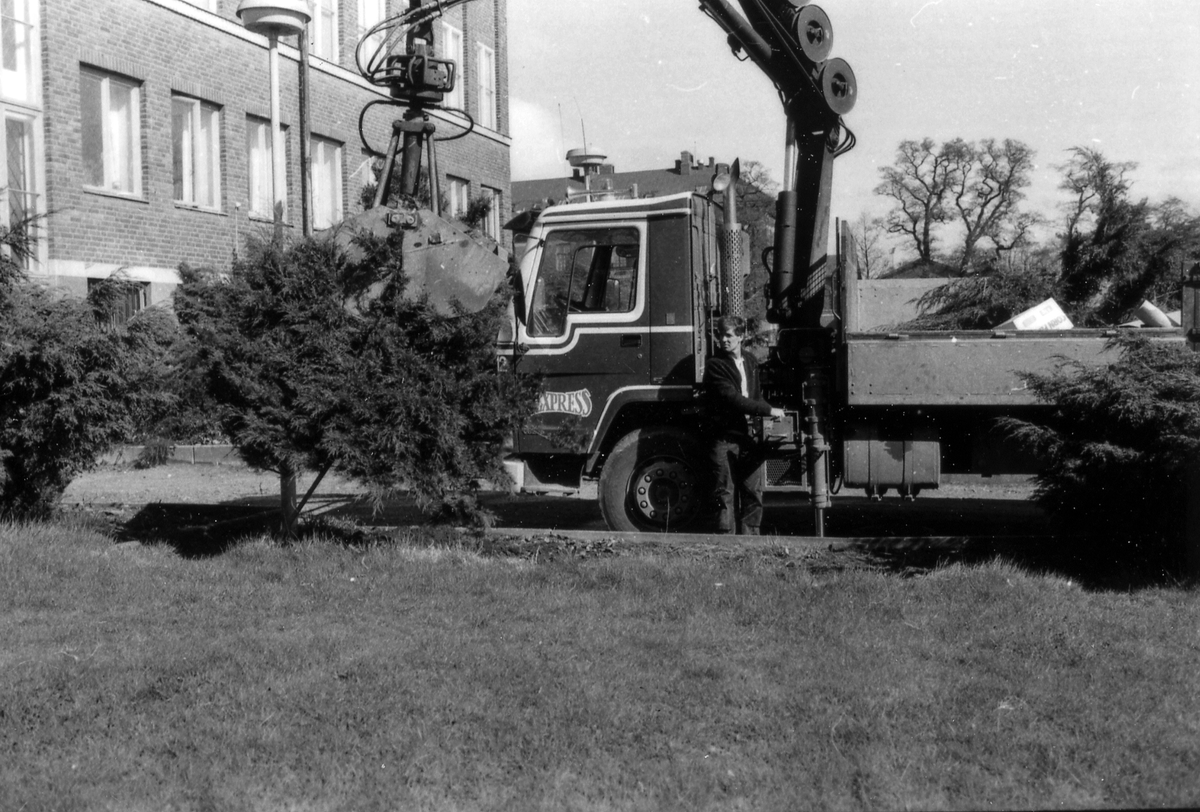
654, 480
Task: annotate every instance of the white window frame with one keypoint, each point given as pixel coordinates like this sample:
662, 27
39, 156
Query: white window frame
491, 224
18, 64
450, 46
260, 188
120, 133
485, 86
20, 201
371, 13
326, 182
323, 30
196, 165
531, 268
207, 5
22, 176
458, 192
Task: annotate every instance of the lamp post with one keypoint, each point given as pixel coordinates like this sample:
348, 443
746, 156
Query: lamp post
274, 19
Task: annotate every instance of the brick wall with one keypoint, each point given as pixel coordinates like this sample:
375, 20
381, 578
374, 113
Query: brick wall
166, 51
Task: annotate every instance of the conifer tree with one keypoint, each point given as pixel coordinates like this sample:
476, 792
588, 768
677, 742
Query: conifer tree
316, 361
1117, 442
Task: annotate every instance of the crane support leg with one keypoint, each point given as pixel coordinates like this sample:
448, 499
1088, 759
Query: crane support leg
817, 446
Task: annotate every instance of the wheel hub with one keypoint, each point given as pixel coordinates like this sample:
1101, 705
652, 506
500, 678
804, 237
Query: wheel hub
664, 493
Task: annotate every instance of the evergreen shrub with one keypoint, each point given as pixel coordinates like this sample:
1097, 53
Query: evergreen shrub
1117, 442
315, 358
73, 381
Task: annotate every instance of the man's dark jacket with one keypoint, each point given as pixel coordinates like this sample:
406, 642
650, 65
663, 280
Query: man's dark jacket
727, 408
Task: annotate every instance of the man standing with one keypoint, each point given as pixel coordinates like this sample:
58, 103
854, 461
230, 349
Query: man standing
733, 392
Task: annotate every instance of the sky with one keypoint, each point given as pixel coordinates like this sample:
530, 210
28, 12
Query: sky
647, 79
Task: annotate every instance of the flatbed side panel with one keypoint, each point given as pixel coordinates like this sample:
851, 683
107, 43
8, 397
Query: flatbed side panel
965, 368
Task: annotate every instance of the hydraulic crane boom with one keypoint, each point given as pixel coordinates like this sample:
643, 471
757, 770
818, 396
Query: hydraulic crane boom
789, 40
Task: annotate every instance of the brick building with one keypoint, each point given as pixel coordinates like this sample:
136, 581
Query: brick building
141, 128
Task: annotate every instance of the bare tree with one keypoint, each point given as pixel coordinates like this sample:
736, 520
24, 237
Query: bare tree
919, 182
978, 185
869, 233
987, 182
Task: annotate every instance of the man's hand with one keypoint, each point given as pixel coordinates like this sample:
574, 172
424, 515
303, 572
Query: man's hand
776, 413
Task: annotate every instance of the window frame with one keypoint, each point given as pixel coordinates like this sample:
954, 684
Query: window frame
112, 155
491, 225
136, 300
194, 153
367, 8
262, 170
458, 196
457, 98
23, 107
15, 216
26, 70
487, 114
573, 319
320, 150
323, 30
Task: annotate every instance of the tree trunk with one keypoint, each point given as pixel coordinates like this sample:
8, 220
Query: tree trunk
287, 501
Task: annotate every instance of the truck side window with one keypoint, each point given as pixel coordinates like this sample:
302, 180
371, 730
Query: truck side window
584, 271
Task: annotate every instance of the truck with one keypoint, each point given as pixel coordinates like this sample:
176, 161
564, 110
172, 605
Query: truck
615, 301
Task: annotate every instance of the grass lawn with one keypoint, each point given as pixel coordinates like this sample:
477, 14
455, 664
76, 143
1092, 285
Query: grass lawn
329, 677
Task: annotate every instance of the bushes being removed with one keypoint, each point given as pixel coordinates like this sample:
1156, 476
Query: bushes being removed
316, 359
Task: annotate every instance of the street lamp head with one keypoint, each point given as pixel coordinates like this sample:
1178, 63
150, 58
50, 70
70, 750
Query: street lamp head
279, 17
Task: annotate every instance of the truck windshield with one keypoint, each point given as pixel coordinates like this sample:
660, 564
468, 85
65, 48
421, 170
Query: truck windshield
584, 271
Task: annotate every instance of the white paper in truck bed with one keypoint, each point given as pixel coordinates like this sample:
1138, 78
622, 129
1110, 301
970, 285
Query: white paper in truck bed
1046, 316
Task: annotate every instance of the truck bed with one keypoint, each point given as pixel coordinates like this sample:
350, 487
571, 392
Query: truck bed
968, 367
883, 365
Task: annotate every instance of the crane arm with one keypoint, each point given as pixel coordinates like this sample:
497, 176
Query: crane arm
790, 42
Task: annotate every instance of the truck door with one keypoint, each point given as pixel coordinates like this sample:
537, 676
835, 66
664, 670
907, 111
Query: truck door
587, 329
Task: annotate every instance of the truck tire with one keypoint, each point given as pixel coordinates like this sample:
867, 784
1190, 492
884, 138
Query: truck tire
654, 481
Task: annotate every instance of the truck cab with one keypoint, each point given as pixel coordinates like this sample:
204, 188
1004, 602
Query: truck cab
616, 296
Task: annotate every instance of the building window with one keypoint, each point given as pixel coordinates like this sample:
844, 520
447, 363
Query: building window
452, 48
258, 164
19, 201
371, 13
456, 190
491, 223
112, 132
135, 297
196, 136
17, 77
326, 182
485, 76
323, 30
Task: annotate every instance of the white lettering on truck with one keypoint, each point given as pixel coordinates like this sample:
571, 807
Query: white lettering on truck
578, 403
